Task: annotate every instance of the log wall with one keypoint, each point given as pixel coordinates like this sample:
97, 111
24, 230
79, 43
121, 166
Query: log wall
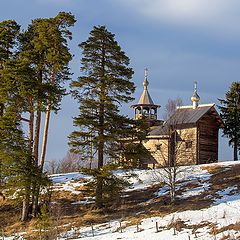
158, 148
196, 143
185, 154
186, 147
208, 139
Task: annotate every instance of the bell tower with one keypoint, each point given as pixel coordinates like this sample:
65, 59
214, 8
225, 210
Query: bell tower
145, 108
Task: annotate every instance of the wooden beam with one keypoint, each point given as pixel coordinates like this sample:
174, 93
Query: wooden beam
24, 119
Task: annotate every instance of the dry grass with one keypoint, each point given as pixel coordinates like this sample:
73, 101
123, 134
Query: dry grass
177, 224
235, 227
226, 178
133, 208
9, 215
213, 168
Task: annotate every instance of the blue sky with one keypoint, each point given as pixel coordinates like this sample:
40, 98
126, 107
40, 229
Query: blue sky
178, 41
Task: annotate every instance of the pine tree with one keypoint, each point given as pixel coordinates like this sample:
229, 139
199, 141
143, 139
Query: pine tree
33, 66
43, 222
44, 47
57, 59
104, 85
133, 152
14, 159
230, 113
9, 31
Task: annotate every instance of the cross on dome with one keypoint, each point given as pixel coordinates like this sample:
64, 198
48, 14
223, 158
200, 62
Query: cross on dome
195, 97
145, 81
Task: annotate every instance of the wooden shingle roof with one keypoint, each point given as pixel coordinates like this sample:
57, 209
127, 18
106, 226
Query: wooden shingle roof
187, 115
145, 98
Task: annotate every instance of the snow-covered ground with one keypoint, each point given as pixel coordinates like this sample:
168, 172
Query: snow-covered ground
69, 181
201, 224
198, 224
139, 179
220, 215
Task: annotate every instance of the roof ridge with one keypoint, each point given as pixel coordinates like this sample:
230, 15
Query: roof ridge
199, 106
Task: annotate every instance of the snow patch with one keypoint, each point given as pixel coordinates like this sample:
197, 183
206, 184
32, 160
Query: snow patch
227, 195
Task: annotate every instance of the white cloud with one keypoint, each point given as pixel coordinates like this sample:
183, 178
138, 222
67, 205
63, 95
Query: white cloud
220, 16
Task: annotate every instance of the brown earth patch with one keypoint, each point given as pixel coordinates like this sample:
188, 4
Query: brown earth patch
135, 206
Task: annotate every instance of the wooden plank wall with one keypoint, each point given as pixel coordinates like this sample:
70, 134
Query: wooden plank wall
208, 139
184, 155
159, 153
204, 144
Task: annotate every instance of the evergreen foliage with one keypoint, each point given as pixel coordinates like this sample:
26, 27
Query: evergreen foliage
43, 222
230, 113
113, 186
104, 85
33, 68
9, 31
16, 170
134, 154
44, 48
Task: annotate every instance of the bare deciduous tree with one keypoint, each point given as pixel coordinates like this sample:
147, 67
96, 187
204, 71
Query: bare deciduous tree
72, 162
169, 174
173, 145
171, 106
52, 166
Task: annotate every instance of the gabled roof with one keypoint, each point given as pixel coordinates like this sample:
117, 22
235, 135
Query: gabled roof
160, 131
186, 115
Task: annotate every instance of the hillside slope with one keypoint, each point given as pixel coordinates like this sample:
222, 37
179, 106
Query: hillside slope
207, 206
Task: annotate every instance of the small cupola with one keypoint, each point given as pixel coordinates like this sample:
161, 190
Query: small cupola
145, 108
195, 97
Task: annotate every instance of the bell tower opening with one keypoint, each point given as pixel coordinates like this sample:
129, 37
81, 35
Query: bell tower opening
145, 108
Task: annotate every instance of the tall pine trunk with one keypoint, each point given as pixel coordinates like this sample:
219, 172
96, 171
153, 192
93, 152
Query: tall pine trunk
25, 207
46, 125
35, 154
35, 195
26, 203
45, 137
42, 159
37, 135
44, 148
235, 149
90, 151
38, 120
30, 124
99, 189
35, 198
